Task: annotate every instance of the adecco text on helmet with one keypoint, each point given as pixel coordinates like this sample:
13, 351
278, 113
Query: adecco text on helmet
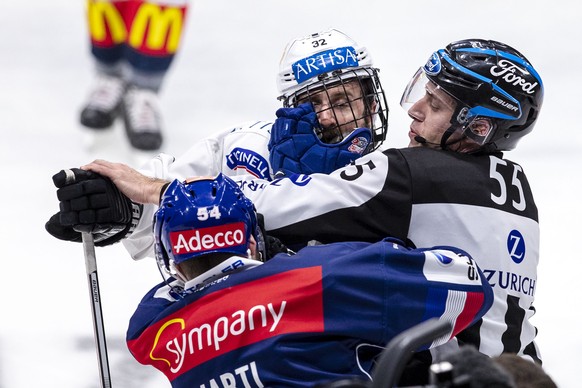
207, 239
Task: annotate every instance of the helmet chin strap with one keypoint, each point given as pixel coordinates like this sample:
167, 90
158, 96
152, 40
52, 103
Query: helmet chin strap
454, 127
446, 135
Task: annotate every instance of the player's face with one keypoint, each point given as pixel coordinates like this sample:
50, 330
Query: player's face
431, 116
253, 252
340, 109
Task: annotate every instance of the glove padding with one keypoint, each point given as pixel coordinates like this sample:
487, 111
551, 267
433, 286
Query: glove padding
91, 203
295, 148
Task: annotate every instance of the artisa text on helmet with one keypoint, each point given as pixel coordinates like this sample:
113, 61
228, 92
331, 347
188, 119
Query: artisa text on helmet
324, 62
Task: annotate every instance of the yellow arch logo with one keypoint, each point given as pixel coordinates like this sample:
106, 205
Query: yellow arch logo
162, 23
101, 13
158, 335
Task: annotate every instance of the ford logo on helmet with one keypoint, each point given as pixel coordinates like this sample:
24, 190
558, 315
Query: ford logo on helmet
433, 65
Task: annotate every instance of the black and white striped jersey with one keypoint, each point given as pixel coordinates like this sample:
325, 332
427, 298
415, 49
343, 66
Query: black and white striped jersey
479, 203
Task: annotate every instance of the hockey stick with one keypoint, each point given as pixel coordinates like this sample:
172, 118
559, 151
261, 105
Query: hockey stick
399, 350
98, 325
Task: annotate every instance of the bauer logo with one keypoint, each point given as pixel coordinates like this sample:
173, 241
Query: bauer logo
442, 265
324, 62
433, 65
250, 161
207, 239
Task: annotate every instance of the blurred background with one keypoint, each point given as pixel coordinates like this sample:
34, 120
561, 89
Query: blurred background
223, 75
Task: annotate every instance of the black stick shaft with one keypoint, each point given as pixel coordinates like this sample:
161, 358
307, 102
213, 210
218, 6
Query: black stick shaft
98, 324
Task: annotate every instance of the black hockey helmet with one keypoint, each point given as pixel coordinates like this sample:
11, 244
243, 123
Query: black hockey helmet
490, 81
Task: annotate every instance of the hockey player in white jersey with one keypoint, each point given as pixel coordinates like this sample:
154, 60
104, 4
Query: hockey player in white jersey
470, 102
328, 68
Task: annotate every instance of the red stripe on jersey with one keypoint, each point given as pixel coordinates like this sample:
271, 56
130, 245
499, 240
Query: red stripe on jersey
473, 303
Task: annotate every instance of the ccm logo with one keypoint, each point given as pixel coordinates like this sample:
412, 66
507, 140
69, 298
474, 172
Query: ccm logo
206, 239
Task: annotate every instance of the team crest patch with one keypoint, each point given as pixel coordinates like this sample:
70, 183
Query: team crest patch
250, 161
359, 145
433, 65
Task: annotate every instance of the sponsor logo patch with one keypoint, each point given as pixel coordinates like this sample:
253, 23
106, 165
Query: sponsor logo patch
207, 239
358, 145
250, 161
433, 65
513, 75
324, 62
232, 318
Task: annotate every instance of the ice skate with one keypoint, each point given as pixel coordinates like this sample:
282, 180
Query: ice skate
142, 118
103, 104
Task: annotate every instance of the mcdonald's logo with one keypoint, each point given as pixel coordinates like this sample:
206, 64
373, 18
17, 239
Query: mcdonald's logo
106, 25
156, 29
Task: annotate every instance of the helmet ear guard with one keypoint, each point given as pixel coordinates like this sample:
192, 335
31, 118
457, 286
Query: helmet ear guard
165, 263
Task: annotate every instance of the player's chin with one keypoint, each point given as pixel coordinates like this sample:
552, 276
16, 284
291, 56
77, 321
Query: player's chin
330, 137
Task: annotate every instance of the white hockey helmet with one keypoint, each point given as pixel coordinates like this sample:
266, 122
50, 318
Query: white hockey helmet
322, 60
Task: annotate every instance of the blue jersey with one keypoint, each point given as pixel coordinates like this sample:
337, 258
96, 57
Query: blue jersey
320, 315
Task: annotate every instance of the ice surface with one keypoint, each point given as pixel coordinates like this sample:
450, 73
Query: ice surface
225, 74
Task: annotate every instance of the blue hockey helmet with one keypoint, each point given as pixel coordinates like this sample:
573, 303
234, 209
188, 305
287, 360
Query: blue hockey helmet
204, 216
491, 83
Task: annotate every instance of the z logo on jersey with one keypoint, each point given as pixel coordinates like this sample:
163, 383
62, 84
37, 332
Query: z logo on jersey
516, 246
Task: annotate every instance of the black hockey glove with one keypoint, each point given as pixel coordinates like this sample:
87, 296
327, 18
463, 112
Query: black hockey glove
273, 245
91, 203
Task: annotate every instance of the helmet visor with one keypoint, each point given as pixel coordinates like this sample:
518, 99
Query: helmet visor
462, 120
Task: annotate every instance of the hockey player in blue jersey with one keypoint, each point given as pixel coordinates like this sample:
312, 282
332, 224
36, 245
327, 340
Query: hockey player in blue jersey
226, 319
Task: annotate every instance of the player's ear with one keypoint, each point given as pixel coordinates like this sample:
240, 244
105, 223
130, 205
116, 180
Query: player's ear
481, 126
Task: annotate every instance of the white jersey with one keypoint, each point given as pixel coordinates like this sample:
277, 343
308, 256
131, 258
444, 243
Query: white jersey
241, 150
479, 203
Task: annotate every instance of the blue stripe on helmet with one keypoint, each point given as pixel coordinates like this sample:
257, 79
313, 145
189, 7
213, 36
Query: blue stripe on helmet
486, 112
509, 56
480, 109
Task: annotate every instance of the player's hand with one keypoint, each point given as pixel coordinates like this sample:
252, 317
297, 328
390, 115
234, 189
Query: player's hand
134, 185
91, 203
295, 148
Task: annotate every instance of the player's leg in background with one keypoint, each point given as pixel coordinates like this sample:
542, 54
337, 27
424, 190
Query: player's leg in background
154, 34
108, 33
